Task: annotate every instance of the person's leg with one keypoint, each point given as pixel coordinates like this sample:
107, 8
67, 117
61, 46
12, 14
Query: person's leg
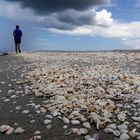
19, 48
16, 47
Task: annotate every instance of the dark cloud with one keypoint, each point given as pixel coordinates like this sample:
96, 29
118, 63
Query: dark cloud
49, 6
70, 19
64, 14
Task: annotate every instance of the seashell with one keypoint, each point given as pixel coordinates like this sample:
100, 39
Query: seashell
19, 130
10, 131
74, 114
47, 121
64, 110
75, 130
121, 117
123, 131
100, 124
110, 108
136, 101
25, 111
38, 94
65, 127
112, 126
54, 113
94, 117
60, 98
75, 121
87, 137
124, 136
83, 131
68, 132
49, 117
108, 130
10, 91
136, 119
43, 110
66, 120
6, 100
116, 133
91, 139
48, 126
83, 119
132, 134
122, 127
4, 128
37, 132
87, 125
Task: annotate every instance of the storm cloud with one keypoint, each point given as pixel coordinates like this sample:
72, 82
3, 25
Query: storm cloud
64, 14
70, 19
43, 7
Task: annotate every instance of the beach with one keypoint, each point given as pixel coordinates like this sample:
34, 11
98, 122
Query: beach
70, 95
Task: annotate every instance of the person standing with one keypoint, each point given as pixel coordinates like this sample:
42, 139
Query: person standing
17, 38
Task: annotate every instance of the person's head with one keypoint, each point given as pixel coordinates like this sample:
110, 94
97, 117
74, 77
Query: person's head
17, 26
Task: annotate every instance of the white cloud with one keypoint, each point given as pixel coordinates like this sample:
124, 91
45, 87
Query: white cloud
103, 18
14, 11
133, 43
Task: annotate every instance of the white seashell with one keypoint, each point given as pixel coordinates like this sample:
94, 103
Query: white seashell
122, 126
19, 130
124, 136
49, 117
10, 131
123, 131
66, 120
60, 98
65, 127
4, 128
121, 117
112, 126
94, 117
108, 130
116, 133
10, 91
136, 101
83, 131
91, 139
43, 110
25, 111
47, 121
87, 137
74, 114
87, 125
37, 132
6, 100
48, 126
75, 130
83, 119
136, 119
75, 121
54, 113
13, 96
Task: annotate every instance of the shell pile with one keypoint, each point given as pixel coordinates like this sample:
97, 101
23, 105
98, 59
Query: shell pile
101, 89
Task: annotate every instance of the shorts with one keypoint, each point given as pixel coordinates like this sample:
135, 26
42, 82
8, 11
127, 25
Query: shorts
17, 41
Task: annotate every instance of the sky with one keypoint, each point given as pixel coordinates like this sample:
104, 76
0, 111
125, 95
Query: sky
75, 25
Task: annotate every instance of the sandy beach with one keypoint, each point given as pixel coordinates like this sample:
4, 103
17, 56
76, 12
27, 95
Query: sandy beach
70, 95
